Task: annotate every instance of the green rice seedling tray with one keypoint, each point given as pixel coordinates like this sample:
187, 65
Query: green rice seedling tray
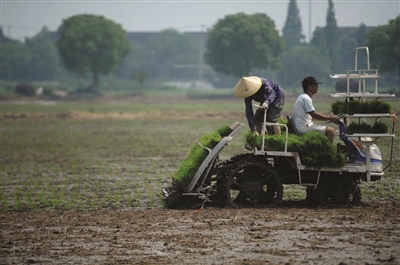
324, 153
355, 107
197, 154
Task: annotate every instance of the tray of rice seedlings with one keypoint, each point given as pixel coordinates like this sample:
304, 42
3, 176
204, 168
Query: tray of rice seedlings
323, 152
358, 107
378, 127
197, 154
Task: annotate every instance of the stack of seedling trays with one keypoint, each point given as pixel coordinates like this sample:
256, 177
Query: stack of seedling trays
364, 117
361, 111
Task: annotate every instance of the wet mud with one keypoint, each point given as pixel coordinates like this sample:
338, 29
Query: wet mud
288, 234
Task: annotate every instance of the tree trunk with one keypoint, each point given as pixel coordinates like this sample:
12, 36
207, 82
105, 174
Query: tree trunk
95, 85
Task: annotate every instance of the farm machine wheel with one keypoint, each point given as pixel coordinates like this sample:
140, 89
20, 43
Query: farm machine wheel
344, 191
247, 180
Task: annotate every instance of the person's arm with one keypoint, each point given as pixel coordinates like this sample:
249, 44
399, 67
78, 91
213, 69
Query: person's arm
322, 117
250, 114
269, 93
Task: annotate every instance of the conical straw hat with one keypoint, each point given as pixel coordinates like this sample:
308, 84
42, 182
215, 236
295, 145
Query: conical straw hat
247, 86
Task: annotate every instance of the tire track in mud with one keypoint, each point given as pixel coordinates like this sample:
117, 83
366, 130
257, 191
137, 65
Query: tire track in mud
369, 234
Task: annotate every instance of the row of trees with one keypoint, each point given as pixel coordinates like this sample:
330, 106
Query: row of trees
36, 59
330, 52
237, 45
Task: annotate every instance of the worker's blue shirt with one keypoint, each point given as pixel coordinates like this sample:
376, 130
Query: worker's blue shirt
270, 93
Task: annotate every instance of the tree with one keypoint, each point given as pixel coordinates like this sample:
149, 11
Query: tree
348, 43
14, 58
240, 43
45, 61
173, 55
319, 42
302, 61
361, 41
384, 45
331, 36
361, 36
135, 61
292, 31
90, 43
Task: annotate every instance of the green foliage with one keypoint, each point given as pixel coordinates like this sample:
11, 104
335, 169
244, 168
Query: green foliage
359, 107
378, 127
14, 57
338, 107
93, 44
197, 154
318, 41
135, 61
348, 42
45, 62
224, 131
253, 139
292, 31
314, 149
174, 50
318, 152
239, 43
383, 42
332, 36
299, 62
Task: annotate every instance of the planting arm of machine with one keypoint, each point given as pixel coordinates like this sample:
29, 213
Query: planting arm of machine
199, 186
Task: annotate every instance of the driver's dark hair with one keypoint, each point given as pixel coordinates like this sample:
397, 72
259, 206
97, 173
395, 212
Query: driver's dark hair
305, 86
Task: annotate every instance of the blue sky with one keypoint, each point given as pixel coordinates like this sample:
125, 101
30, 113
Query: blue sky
21, 19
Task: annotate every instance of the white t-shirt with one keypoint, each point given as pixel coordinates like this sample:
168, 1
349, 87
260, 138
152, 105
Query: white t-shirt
301, 108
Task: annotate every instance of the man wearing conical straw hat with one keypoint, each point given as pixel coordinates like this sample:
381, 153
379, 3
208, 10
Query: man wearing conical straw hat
266, 92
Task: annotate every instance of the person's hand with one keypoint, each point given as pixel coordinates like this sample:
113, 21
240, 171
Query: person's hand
264, 106
255, 132
334, 119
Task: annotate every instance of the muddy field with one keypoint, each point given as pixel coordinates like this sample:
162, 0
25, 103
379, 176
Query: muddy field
289, 234
109, 172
